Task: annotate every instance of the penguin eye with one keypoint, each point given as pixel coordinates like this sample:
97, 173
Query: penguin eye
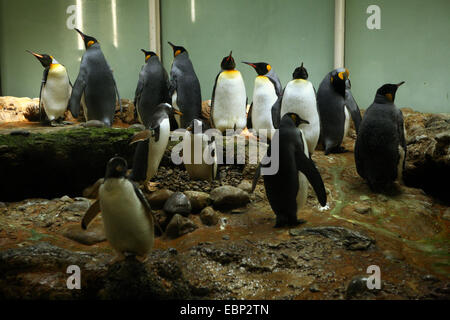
268, 67
341, 75
177, 52
90, 43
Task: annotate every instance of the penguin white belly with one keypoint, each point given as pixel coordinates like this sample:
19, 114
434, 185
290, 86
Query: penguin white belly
347, 122
264, 97
230, 101
56, 92
194, 148
156, 149
175, 106
127, 225
302, 193
299, 97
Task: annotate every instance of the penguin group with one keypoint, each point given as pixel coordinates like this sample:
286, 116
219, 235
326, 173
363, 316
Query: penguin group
297, 117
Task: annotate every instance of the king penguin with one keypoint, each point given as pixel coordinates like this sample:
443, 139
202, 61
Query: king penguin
152, 87
380, 146
184, 87
148, 155
199, 152
336, 104
229, 100
127, 216
55, 89
264, 110
95, 86
287, 189
300, 97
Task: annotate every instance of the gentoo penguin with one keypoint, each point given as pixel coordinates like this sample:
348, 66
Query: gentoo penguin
300, 97
148, 155
152, 88
336, 104
199, 152
229, 100
184, 87
380, 146
127, 216
263, 112
55, 88
287, 189
95, 86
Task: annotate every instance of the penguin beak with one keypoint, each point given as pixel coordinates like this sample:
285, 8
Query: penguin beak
250, 64
171, 44
145, 52
177, 112
304, 121
35, 54
229, 56
141, 136
119, 168
81, 33
399, 84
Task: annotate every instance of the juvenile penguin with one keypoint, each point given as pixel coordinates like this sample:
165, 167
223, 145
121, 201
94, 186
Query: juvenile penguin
95, 86
380, 146
152, 87
336, 104
127, 216
55, 88
148, 155
264, 111
199, 152
287, 189
184, 87
300, 97
229, 100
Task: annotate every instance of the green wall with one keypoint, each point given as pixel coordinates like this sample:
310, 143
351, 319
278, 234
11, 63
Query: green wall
40, 26
413, 45
283, 33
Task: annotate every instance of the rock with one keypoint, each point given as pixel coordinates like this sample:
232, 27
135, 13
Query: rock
78, 206
178, 203
357, 287
229, 197
446, 215
94, 234
351, 240
314, 288
179, 226
93, 124
245, 185
66, 199
158, 198
209, 217
198, 200
363, 209
2, 205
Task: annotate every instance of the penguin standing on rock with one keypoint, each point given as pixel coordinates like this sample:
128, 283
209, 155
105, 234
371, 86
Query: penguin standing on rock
184, 87
264, 110
95, 86
287, 189
127, 216
336, 104
300, 97
229, 100
380, 146
148, 155
55, 88
152, 88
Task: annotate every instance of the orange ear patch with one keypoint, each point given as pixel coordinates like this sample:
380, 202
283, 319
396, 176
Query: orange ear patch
389, 96
341, 75
147, 57
268, 67
177, 52
90, 43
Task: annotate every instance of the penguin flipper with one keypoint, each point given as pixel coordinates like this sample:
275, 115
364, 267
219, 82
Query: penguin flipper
308, 168
401, 133
146, 205
353, 108
211, 118
75, 97
118, 96
90, 214
249, 117
138, 92
276, 112
41, 104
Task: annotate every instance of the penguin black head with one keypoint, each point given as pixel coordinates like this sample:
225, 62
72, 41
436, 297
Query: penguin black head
300, 73
116, 168
177, 49
295, 118
88, 40
388, 90
261, 68
340, 81
228, 62
198, 126
167, 109
148, 54
44, 59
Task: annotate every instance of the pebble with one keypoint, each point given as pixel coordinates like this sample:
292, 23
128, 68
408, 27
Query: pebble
93, 124
66, 199
209, 217
314, 288
179, 226
363, 209
446, 215
245, 185
2, 205
229, 197
78, 206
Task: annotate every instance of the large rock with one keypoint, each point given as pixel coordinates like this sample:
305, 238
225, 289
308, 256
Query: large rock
198, 200
209, 217
229, 197
179, 226
158, 198
178, 203
94, 233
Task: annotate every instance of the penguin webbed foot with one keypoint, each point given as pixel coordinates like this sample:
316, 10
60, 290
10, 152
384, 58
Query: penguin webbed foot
283, 222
